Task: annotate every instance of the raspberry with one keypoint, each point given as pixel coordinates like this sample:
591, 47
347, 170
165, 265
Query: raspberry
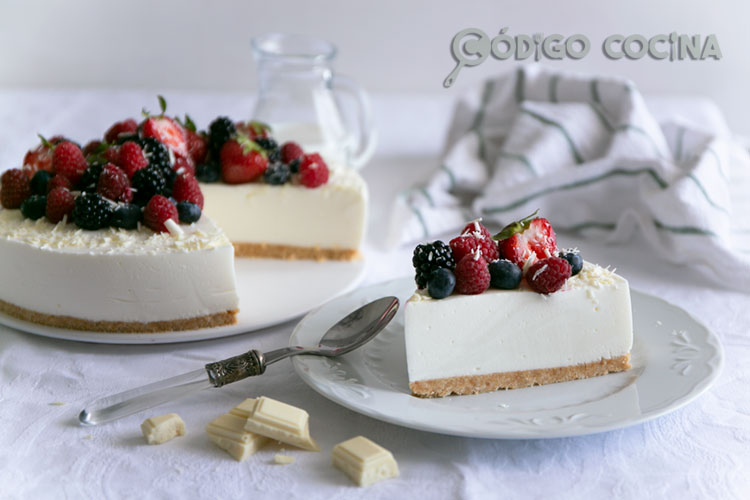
291, 151
186, 188
158, 210
59, 181
184, 165
15, 187
68, 160
91, 211
197, 145
125, 127
548, 275
131, 158
60, 202
313, 171
113, 184
472, 275
112, 155
463, 246
475, 235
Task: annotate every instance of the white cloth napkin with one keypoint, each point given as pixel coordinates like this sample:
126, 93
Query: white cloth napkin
587, 152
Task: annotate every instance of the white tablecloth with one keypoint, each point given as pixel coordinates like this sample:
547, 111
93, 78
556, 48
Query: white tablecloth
700, 451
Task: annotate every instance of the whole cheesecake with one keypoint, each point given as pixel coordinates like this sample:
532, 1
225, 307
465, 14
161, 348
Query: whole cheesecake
512, 311
116, 280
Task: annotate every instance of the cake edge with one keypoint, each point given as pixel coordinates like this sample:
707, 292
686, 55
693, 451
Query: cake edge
223, 318
476, 384
291, 252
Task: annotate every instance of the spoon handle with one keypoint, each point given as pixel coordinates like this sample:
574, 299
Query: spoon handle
132, 401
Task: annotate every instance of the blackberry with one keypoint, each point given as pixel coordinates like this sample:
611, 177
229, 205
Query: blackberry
294, 165
505, 275
188, 212
90, 177
277, 174
92, 211
127, 216
40, 181
169, 176
148, 182
220, 131
274, 156
430, 256
574, 259
441, 283
267, 143
156, 153
208, 172
34, 206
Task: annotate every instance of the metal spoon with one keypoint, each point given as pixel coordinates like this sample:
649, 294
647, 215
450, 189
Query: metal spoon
348, 334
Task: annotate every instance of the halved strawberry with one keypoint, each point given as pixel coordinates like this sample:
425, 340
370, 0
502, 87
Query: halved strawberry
167, 131
40, 158
527, 240
242, 160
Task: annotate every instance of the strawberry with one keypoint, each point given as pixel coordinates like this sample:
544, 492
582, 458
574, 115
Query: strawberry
474, 236
60, 202
472, 275
40, 158
186, 188
167, 131
252, 129
15, 187
184, 165
68, 160
527, 240
158, 210
114, 184
197, 146
131, 158
291, 151
548, 275
242, 160
59, 181
125, 127
313, 171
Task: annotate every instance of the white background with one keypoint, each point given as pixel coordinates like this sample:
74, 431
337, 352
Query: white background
389, 45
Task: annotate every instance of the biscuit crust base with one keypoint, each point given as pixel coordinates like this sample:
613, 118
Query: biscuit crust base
290, 252
71, 323
475, 384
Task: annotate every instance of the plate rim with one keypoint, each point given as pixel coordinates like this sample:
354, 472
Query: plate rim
697, 390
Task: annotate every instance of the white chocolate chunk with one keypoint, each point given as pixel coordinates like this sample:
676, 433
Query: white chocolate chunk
364, 461
283, 459
158, 430
280, 421
228, 433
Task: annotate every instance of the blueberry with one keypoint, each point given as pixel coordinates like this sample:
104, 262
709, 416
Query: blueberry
34, 206
208, 172
189, 212
127, 216
294, 166
575, 261
277, 173
441, 283
40, 181
505, 275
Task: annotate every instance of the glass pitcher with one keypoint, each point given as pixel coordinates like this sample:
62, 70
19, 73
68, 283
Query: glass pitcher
300, 97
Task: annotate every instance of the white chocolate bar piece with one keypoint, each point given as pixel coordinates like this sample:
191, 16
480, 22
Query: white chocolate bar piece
283, 459
158, 430
279, 421
364, 461
228, 433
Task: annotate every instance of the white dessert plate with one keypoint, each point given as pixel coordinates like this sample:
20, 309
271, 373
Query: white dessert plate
271, 291
675, 359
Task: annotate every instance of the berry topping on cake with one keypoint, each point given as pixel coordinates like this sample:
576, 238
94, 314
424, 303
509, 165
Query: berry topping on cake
92, 211
15, 187
127, 216
131, 158
68, 160
123, 128
242, 160
505, 275
277, 173
148, 182
574, 259
474, 236
60, 202
527, 240
186, 188
60, 181
472, 274
40, 182
441, 283
313, 171
114, 184
158, 211
188, 212
34, 206
219, 131
548, 275
428, 257
291, 151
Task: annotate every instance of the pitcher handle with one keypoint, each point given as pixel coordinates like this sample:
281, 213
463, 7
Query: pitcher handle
366, 133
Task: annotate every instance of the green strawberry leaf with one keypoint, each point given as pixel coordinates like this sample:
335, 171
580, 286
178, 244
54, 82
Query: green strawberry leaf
249, 145
162, 104
189, 123
516, 227
46, 142
259, 127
